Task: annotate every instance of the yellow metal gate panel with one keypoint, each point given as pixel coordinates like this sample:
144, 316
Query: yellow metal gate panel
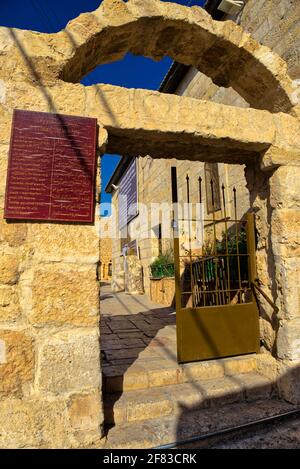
217, 331
216, 312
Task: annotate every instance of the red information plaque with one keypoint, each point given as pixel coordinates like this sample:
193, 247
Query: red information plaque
51, 168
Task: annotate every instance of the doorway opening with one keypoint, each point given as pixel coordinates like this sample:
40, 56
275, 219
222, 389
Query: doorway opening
215, 268
139, 337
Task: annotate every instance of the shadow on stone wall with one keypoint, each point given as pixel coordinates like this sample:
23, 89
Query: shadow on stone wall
249, 403
130, 340
125, 338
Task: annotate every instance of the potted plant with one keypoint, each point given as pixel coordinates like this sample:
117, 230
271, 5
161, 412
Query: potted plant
163, 265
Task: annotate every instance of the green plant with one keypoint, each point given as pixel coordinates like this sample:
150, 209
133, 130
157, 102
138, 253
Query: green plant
232, 241
163, 265
236, 244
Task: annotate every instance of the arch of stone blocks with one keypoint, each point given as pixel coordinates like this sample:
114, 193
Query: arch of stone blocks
49, 331
221, 50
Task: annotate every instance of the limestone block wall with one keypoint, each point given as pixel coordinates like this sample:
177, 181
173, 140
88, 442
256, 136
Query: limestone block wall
50, 377
117, 280
276, 24
273, 23
50, 380
154, 187
134, 284
49, 340
162, 291
277, 221
105, 248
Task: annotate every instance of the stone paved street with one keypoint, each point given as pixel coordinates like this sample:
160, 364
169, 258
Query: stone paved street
135, 334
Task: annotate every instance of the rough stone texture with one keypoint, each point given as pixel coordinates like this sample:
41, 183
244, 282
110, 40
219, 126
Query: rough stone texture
279, 435
14, 235
258, 185
41, 267
139, 345
83, 408
68, 363
288, 340
104, 272
267, 365
118, 282
288, 383
86, 417
192, 127
66, 243
34, 70
118, 273
71, 297
17, 368
9, 304
34, 423
162, 291
275, 157
169, 429
240, 365
8, 268
276, 25
51, 423
156, 29
285, 232
154, 187
133, 276
3, 157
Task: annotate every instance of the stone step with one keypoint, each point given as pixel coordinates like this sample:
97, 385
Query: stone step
156, 373
186, 425
145, 404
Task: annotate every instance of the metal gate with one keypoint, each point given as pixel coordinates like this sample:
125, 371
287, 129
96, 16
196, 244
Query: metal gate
216, 312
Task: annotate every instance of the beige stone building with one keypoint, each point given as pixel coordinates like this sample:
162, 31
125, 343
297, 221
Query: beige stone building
105, 265
52, 387
274, 24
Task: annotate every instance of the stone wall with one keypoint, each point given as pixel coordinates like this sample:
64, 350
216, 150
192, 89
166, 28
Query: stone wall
162, 291
277, 216
154, 187
50, 391
118, 267
276, 24
49, 335
273, 23
105, 249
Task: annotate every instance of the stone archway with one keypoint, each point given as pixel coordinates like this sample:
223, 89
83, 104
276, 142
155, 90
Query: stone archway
51, 368
221, 50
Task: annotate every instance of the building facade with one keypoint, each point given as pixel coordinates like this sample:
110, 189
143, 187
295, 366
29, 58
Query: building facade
274, 24
105, 265
51, 382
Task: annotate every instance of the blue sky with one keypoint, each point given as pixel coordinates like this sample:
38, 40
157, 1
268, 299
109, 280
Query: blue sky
131, 72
